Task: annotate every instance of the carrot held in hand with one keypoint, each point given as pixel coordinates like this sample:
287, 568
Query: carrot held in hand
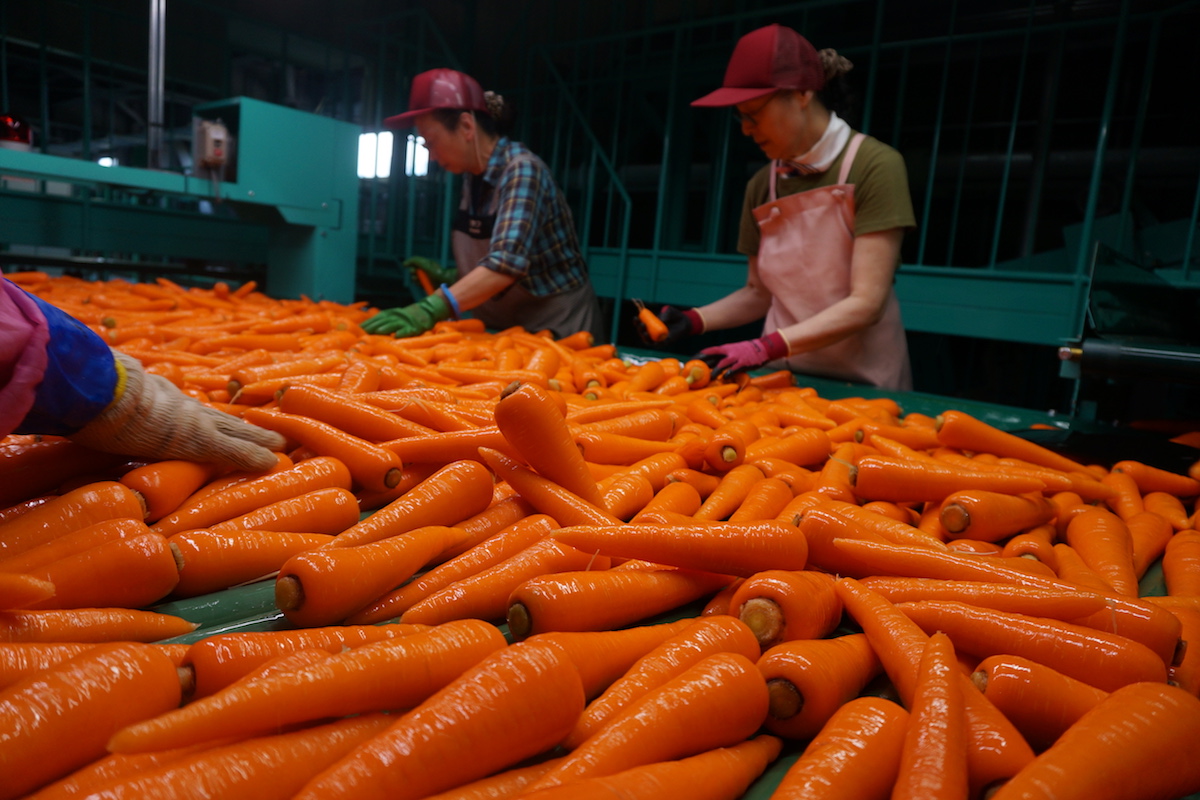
518, 702
1126, 748
933, 761
730, 548
717, 702
324, 586
1041, 701
390, 674
700, 639
855, 754
59, 720
580, 601
452, 494
809, 679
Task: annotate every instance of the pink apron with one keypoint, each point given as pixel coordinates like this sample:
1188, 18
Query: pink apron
804, 255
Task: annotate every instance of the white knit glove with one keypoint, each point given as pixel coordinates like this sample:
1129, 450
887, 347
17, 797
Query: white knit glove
153, 419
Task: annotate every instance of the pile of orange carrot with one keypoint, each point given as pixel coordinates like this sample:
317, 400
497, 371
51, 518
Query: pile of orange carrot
949, 603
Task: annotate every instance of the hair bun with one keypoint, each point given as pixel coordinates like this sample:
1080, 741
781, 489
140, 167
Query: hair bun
834, 64
494, 103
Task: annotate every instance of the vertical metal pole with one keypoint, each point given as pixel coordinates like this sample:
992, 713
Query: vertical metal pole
1139, 127
1037, 177
1191, 235
1110, 99
898, 121
664, 170
937, 137
43, 77
154, 117
86, 132
873, 73
1012, 136
962, 168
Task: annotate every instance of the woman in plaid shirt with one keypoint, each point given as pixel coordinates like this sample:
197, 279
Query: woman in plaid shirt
518, 258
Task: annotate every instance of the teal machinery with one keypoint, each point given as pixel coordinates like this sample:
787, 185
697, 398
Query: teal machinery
288, 176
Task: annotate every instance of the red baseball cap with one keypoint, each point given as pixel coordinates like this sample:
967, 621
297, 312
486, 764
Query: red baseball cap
440, 88
765, 60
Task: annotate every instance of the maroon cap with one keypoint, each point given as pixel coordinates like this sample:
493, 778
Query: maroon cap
440, 88
767, 59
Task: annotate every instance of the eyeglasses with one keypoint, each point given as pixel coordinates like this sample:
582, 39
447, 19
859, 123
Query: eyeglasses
750, 117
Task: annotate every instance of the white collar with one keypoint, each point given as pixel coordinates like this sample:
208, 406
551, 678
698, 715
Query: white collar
821, 155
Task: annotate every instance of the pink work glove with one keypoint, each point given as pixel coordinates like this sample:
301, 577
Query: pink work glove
739, 356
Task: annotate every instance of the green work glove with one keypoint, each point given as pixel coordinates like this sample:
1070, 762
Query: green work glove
410, 320
436, 272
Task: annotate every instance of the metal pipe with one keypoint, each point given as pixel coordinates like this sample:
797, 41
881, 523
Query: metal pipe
1012, 138
155, 83
1042, 148
937, 136
1139, 126
664, 175
873, 73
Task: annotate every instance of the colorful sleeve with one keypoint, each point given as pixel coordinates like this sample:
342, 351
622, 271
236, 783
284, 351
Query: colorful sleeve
516, 215
56, 375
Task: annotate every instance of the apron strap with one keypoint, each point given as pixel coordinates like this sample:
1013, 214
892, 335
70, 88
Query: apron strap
775, 165
848, 158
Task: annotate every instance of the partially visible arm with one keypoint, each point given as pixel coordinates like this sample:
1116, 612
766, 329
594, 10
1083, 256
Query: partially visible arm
478, 285
740, 306
872, 268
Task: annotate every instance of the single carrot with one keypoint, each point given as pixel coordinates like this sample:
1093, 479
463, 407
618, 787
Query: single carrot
1138, 727
79, 508
726, 447
1102, 540
894, 531
656, 329
676, 497
1149, 533
933, 761
723, 772
390, 674
59, 720
996, 750
823, 528
601, 657
218, 660
455, 492
121, 573
779, 605
485, 594
625, 494
507, 508
273, 766
959, 429
730, 548
1049, 602
211, 560
1167, 506
18, 590
1181, 564
330, 510
698, 640
517, 703
18, 660
684, 716
90, 625
240, 498
730, 492
764, 500
72, 543
36, 465
580, 601
992, 516
835, 477
372, 466
24, 506
1153, 479
504, 544
1185, 672
544, 494
855, 754
504, 784
1036, 543
106, 770
904, 480
1042, 702
346, 413
326, 585
163, 485
1104, 660
809, 679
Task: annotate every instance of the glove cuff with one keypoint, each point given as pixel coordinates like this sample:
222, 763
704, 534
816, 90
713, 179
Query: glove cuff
695, 320
455, 311
775, 345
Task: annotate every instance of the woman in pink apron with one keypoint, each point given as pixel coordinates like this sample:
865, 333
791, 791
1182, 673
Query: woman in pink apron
518, 259
822, 225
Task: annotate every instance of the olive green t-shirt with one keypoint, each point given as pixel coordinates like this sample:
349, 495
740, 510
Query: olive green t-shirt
881, 198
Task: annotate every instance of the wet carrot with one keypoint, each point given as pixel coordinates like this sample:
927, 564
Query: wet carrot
780, 605
121, 573
855, 754
372, 466
1153, 479
1036, 543
933, 761
626, 494
59, 720
163, 485
1042, 702
326, 585
1102, 540
517, 703
992, 516
1181, 564
504, 784
1053, 603
730, 548
211, 560
764, 500
698, 640
544, 494
18, 590
355, 681
684, 716
1149, 533
72, 543
503, 545
892, 530
730, 492
455, 492
349, 414
904, 480
1104, 660
1131, 727
960, 430
809, 679
207, 509
580, 601
80, 508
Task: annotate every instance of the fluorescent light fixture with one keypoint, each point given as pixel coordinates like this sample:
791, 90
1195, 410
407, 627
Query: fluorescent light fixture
107, 161
368, 145
416, 157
